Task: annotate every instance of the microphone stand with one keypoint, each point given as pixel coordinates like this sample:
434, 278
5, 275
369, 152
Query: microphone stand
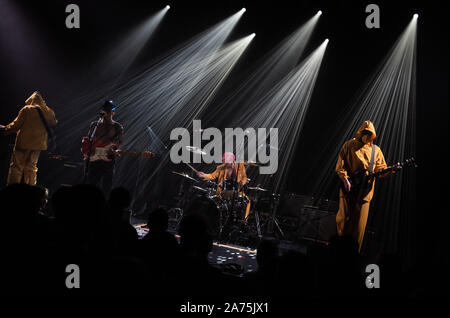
88, 159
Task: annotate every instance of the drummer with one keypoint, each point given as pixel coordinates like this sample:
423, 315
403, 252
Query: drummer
232, 171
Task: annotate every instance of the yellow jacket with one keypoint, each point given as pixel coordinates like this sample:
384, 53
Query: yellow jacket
355, 156
31, 132
220, 171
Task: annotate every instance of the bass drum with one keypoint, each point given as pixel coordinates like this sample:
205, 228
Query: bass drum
212, 209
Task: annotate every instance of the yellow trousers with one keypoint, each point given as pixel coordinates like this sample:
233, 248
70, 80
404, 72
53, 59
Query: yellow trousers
23, 162
247, 209
351, 218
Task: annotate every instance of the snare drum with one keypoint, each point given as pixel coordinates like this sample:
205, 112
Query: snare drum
229, 190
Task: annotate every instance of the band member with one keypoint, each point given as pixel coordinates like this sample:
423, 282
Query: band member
106, 140
31, 138
354, 157
229, 170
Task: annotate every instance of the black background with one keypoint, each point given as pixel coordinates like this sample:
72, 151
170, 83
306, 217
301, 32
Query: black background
53, 57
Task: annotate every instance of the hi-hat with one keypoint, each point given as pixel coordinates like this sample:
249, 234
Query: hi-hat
196, 150
184, 175
257, 189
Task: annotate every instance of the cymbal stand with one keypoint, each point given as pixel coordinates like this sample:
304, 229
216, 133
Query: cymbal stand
180, 203
256, 213
272, 221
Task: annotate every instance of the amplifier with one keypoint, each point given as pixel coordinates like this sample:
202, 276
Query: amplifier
315, 224
54, 173
291, 204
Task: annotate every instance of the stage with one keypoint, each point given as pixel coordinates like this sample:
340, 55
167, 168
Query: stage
231, 147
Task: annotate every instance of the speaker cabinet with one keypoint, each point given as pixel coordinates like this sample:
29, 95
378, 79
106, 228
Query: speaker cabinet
316, 224
291, 204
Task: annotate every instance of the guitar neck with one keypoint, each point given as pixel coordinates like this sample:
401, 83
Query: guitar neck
364, 179
129, 153
376, 174
135, 153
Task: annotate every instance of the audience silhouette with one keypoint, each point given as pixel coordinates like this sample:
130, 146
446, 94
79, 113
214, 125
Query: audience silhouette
81, 227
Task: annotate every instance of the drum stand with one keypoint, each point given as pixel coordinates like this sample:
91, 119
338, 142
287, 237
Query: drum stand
258, 225
272, 220
229, 222
256, 213
180, 204
223, 222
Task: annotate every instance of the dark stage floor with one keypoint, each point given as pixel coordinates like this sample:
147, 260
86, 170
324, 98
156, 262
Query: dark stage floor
230, 258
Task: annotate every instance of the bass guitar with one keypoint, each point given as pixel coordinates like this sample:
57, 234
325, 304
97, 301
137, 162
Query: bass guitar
363, 180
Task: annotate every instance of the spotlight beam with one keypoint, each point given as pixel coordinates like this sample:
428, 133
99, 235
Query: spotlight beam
144, 91
180, 109
388, 99
264, 74
123, 54
284, 107
169, 93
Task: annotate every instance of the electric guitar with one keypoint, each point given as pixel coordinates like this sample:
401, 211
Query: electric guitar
362, 180
108, 151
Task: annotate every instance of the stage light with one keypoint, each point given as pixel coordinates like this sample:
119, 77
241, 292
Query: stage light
167, 7
327, 40
415, 16
253, 35
243, 9
319, 12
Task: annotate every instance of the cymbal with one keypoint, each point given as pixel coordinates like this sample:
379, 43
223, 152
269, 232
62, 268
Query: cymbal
184, 175
200, 189
257, 189
196, 150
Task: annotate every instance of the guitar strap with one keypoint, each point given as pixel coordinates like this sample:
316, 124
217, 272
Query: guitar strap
52, 146
44, 122
372, 158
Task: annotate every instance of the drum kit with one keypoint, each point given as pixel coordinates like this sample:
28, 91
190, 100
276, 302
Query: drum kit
229, 199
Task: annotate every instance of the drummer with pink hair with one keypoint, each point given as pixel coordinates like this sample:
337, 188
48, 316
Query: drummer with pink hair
229, 170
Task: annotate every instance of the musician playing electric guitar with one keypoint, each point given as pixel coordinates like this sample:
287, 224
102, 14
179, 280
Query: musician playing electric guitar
358, 156
100, 152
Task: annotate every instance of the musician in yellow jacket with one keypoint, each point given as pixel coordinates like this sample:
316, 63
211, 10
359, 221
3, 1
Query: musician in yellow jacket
354, 157
229, 170
31, 139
